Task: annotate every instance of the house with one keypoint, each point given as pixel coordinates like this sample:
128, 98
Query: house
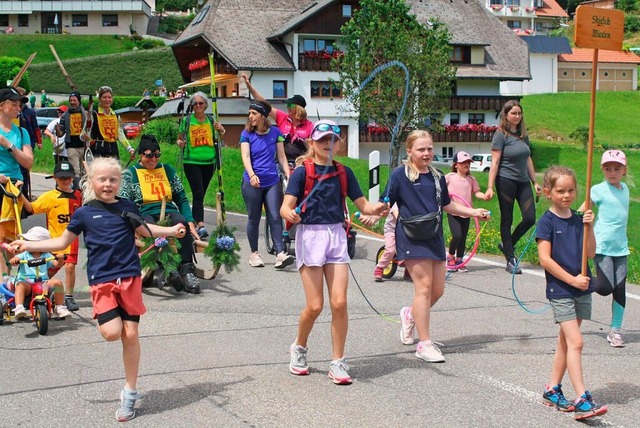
528, 16
76, 16
617, 70
286, 46
543, 62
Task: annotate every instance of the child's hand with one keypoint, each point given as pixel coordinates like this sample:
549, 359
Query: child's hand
483, 214
16, 246
179, 230
588, 217
14, 261
580, 282
368, 220
293, 217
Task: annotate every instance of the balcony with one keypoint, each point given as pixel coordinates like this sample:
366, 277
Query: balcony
317, 60
455, 134
12, 7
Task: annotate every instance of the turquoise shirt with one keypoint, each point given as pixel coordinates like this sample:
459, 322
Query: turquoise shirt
611, 221
9, 166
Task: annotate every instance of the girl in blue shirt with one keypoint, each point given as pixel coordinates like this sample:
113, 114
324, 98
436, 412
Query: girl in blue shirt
560, 236
321, 245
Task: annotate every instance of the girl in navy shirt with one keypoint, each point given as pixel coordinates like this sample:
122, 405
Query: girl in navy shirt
321, 246
412, 187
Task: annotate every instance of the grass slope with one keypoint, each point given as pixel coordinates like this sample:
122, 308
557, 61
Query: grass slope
127, 73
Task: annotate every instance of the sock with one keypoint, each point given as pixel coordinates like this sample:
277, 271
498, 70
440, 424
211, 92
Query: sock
68, 295
617, 314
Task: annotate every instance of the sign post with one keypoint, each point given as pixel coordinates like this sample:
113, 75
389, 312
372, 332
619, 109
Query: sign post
596, 29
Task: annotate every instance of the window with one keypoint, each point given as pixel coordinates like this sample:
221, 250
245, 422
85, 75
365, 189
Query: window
454, 118
461, 54
476, 118
317, 45
325, 89
447, 152
4, 20
280, 89
496, 2
109, 20
23, 20
201, 15
513, 2
79, 20
346, 11
514, 24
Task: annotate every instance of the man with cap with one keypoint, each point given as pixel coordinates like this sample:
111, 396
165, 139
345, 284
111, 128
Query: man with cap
59, 205
145, 184
71, 125
59, 149
294, 125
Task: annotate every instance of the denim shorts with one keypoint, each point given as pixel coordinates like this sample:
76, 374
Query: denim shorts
319, 244
571, 308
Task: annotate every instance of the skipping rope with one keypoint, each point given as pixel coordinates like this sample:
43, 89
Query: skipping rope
547, 306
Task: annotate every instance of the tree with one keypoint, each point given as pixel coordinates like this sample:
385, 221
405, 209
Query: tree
626, 5
9, 67
383, 31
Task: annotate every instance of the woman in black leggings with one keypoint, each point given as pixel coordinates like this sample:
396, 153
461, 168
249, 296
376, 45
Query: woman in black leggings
512, 173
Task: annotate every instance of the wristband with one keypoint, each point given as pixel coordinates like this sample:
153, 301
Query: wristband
130, 149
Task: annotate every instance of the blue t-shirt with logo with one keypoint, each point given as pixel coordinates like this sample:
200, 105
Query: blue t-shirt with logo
263, 149
110, 241
565, 235
9, 166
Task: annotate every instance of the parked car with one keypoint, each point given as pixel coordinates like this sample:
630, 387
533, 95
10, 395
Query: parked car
481, 162
132, 129
441, 163
45, 115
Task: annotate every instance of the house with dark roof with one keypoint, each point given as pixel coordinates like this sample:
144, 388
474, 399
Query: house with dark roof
528, 17
286, 46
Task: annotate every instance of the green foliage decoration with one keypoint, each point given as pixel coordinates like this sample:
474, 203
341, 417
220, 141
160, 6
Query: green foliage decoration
424, 48
224, 249
165, 254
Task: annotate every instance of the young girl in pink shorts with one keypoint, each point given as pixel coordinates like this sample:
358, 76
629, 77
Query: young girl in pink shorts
321, 245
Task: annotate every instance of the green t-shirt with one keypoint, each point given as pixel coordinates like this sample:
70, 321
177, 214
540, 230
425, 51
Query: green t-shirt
200, 137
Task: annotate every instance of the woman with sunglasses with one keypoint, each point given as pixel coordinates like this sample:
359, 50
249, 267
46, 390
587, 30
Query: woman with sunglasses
196, 138
106, 130
293, 124
260, 144
145, 184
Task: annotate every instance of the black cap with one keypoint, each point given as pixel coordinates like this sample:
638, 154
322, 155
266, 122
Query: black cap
63, 170
148, 142
9, 93
76, 94
298, 100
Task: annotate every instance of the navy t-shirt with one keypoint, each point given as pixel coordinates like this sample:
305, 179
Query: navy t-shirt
263, 150
325, 204
565, 235
417, 198
110, 242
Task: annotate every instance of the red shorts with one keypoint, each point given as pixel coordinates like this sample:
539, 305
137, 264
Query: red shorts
71, 258
125, 293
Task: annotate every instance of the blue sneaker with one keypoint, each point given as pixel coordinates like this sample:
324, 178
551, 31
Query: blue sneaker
587, 408
553, 397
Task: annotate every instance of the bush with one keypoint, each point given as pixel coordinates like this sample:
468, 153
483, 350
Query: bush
9, 67
165, 130
581, 135
632, 23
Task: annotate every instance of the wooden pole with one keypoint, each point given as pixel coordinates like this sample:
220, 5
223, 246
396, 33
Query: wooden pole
64, 71
592, 120
16, 80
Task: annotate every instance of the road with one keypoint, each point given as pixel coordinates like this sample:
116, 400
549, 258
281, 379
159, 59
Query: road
220, 359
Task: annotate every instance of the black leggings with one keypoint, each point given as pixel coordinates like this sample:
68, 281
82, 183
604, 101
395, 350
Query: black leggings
459, 229
199, 177
510, 191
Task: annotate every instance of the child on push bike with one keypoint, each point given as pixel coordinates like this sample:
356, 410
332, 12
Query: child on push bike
28, 275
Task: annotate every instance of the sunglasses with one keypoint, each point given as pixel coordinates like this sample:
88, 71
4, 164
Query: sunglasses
324, 127
105, 89
198, 103
152, 155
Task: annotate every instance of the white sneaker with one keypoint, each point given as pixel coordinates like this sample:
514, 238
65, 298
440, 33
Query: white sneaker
615, 339
408, 328
19, 312
255, 260
283, 260
61, 311
429, 352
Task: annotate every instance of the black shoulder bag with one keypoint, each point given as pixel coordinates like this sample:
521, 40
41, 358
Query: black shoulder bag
425, 226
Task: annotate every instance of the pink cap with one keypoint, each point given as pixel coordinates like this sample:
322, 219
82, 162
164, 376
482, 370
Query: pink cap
460, 157
614, 156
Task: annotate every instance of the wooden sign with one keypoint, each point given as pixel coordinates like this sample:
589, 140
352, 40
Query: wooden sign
599, 28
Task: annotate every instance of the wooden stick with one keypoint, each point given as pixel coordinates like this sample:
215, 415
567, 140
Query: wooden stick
592, 120
16, 80
64, 71
163, 208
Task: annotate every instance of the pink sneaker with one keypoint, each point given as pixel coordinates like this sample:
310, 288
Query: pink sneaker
377, 274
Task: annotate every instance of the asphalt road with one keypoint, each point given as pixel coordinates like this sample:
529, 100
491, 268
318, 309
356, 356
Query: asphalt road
220, 359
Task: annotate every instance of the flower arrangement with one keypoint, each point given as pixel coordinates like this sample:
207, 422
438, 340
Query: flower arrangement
530, 9
375, 129
514, 8
324, 54
198, 64
470, 127
223, 248
161, 252
496, 7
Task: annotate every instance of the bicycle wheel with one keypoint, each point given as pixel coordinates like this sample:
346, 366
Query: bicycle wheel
268, 241
390, 270
42, 318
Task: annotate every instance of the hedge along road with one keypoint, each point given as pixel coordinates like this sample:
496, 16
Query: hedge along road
221, 358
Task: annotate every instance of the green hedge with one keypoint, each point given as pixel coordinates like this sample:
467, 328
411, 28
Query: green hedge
127, 73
